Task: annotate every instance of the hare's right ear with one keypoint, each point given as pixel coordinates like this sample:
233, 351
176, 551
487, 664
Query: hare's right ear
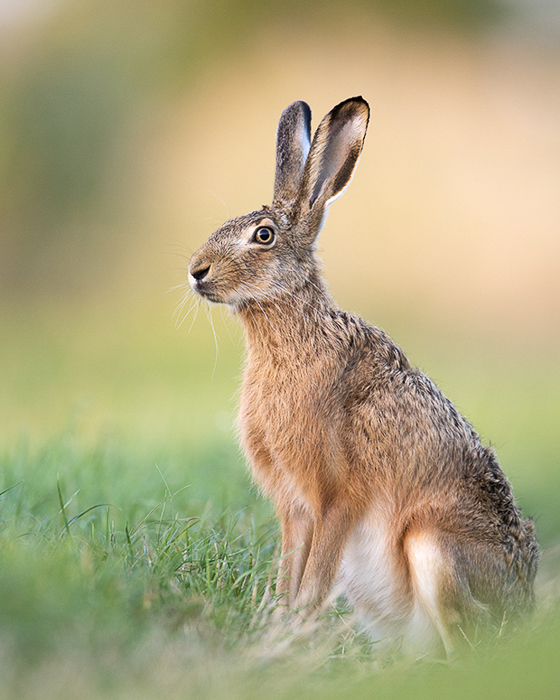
331, 162
293, 140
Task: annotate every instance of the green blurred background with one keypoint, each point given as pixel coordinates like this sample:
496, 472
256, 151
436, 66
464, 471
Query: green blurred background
130, 130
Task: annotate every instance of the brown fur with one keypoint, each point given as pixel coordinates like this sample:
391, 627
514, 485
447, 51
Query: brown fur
374, 474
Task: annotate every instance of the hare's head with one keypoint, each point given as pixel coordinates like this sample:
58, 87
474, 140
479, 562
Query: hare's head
270, 252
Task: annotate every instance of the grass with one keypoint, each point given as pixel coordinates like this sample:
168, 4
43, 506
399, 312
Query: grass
136, 560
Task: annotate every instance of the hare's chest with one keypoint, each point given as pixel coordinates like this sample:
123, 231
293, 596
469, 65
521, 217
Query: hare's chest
282, 425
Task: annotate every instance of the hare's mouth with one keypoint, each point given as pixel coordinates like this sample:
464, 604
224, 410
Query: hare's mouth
203, 290
206, 293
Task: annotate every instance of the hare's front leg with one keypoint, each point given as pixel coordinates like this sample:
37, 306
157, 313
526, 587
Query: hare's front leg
330, 534
297, 534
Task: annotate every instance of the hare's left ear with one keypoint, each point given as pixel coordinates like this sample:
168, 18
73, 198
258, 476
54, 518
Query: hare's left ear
332, 159
292, 146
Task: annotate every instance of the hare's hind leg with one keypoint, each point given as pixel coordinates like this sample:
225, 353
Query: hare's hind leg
429, 570
442, 599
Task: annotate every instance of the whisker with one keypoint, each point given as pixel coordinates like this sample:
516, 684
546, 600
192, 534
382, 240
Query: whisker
197, 307
180, 304
194, 304
222, 201
182, 285
208, 311
175, 245
226, 319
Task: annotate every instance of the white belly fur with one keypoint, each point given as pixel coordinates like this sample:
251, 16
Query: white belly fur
382, 587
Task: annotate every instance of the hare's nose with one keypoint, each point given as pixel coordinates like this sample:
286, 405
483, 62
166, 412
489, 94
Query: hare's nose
201, 273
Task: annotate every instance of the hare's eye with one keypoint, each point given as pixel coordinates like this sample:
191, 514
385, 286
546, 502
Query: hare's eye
264, 235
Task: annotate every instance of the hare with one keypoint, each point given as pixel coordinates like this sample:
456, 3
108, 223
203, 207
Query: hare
377, 480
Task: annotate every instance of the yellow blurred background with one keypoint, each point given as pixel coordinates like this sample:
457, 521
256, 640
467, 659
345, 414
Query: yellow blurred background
130, 130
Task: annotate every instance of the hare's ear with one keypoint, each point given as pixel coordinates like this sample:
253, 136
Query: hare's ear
332, 159
292, 146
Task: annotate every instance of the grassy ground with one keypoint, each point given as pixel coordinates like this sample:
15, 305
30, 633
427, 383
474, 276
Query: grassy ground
136, 558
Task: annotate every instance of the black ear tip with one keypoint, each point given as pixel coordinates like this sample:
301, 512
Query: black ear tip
351, 105
359, 99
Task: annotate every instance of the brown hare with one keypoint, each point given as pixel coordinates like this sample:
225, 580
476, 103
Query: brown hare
377, 479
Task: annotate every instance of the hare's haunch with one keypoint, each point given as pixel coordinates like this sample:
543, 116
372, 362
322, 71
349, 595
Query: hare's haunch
376, 478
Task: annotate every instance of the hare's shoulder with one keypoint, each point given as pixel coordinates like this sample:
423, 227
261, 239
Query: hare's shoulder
355, 332
373, 358
378, 378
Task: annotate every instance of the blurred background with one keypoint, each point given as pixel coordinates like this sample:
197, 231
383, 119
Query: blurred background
130, 130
